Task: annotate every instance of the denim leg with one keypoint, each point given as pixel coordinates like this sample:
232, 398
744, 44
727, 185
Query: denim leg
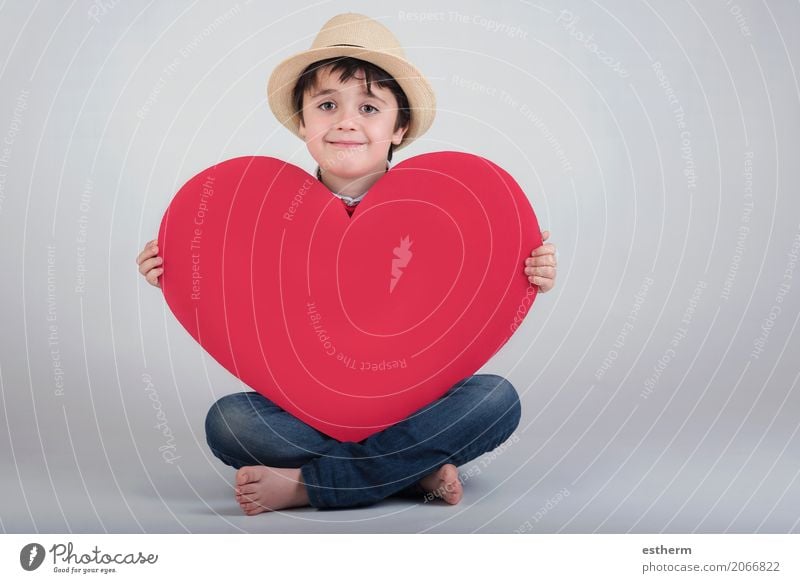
475, 416
245, 429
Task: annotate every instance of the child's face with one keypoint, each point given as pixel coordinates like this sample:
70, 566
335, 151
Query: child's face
347, 131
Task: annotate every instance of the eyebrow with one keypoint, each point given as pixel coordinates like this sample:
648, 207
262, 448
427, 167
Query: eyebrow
331, 91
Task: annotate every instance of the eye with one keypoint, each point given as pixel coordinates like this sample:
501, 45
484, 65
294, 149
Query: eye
322, 105
372, 108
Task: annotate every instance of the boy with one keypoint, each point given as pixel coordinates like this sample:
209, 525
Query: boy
354, 99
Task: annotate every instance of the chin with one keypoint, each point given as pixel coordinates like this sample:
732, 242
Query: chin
352, 172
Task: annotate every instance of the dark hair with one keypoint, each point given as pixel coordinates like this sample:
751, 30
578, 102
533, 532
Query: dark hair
348, 67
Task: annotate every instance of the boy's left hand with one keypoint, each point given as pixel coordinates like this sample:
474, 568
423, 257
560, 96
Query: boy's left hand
540, 267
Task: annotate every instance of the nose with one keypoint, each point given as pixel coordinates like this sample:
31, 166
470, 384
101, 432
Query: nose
347, 119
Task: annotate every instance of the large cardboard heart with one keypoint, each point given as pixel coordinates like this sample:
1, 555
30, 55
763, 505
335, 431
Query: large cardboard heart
350, 323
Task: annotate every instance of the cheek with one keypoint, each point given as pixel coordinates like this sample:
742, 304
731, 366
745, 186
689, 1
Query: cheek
314, 134
382, 132
314, 128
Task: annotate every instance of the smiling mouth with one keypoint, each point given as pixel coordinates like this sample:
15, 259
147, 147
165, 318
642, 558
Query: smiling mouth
347, 144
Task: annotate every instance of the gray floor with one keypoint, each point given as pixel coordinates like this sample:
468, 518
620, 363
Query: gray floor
596, 464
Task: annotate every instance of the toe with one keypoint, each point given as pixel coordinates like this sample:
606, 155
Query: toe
449, 472
248, 475
242, 476
454, 500
452, 490
456, 495
248, 489
252, 508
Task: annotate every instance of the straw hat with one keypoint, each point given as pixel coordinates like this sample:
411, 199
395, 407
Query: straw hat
358, 36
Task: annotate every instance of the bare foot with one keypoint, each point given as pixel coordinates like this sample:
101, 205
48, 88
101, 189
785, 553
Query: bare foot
444, 484
261, 489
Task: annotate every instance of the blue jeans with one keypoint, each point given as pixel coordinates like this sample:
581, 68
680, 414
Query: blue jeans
475, 416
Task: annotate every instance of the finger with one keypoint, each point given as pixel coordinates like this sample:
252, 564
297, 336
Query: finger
541, 261
544, 271
149, 250
548, 249
152, 276
543, 283
545, 236
144, 254
149, 264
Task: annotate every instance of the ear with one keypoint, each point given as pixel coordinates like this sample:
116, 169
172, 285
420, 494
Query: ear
398, 134
302, 130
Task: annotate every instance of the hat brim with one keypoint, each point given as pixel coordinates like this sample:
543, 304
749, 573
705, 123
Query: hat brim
421, 98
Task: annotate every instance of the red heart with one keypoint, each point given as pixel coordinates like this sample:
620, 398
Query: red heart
350, 323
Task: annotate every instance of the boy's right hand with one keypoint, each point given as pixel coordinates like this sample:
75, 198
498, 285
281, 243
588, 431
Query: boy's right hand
149, 263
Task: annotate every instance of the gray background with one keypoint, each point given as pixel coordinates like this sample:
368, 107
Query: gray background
670, 197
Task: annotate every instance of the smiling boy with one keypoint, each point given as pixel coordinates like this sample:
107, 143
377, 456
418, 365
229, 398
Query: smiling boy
348, 128
354, 100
